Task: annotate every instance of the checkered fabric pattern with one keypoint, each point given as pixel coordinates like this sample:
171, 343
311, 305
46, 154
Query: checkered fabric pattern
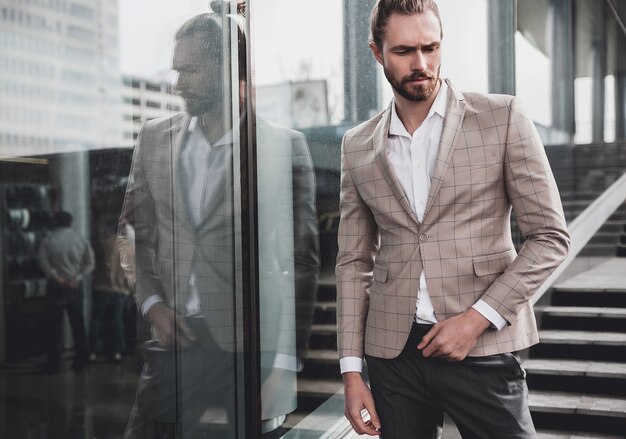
168, 247
490, 160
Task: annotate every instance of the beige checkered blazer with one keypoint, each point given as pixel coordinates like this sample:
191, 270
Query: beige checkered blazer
490, 160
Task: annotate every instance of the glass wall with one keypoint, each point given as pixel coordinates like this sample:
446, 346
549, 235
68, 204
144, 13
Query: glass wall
122, 226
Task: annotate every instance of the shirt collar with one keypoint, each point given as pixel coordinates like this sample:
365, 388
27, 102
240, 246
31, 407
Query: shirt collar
396, 127
227, 139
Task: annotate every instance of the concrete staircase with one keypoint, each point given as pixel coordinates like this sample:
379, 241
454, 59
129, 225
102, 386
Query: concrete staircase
577, 375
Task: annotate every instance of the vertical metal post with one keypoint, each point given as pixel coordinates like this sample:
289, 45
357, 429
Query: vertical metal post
620, 106
502, 24
561, 56
360, 76
249, 410
620, 88
598, 56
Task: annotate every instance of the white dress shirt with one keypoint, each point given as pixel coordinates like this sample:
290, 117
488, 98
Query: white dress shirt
413, 157
198, 172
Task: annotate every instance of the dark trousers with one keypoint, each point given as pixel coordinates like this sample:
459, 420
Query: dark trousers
107, 305
487, 397
177, 387
60, 298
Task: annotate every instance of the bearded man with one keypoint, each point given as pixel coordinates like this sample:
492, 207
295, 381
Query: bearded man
431, 291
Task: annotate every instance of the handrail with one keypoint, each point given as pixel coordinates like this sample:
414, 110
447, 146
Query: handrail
585, 226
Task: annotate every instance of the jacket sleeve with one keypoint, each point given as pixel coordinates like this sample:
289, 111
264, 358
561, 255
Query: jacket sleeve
137, 230
306, 241
358, 241
533, 193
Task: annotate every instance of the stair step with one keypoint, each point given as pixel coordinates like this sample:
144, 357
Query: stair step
590, 296
545, 434
323, 356
575, 368
582, 318
326, 312
323, 336
325, 328
583, 311
321, 364
324, 388
583, 338
581, 345
568, 403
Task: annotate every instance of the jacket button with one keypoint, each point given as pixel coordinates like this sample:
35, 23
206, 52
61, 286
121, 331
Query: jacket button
423, 237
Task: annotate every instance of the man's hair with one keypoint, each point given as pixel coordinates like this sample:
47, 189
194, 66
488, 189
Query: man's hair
206, 29
63, 219
385, 8
209, 30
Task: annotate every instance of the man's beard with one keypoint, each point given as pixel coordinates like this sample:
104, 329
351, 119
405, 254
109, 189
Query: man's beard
210, 100
414, 93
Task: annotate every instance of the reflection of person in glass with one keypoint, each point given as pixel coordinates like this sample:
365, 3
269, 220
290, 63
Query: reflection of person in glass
66, 257
181, 204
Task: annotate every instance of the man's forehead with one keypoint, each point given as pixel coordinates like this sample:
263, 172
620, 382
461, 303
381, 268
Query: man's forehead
190, 50
415, 29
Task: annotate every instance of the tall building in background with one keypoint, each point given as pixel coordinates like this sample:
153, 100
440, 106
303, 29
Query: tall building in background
143, 100
60, 85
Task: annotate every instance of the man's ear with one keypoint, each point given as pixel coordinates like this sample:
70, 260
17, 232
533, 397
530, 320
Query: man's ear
377, 53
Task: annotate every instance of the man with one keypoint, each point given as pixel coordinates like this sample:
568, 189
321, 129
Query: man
65, 257
181, 204
430, 289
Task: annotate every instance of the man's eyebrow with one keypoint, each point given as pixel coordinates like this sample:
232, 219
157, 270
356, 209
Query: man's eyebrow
409, 47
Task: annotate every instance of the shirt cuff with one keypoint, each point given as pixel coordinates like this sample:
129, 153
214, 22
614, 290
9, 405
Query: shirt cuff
351, 364
287, 362
149, 303
497, 321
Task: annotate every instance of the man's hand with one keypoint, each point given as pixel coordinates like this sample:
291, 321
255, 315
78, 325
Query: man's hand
165, 321
358, 397
454, 338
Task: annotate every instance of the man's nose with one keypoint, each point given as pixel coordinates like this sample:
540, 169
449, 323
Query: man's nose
179, 84
419, 62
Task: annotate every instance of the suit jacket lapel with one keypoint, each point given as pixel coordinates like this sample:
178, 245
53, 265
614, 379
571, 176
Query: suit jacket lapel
178, 138
452, 124
380, 136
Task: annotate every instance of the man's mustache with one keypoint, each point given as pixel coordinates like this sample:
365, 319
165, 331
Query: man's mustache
417, 76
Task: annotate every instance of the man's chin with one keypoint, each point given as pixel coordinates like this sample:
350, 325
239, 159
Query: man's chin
421, 92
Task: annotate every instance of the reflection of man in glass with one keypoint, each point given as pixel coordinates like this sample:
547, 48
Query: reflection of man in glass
181, 204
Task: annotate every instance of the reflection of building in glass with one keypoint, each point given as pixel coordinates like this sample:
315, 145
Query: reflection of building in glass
144, 100
59, 72
299, 104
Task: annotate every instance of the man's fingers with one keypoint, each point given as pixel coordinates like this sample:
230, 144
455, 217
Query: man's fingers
430, 335
359, 425
186, 329
374, 420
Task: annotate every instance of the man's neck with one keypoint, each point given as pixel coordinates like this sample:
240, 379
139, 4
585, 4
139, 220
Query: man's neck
213, 125
412, 113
